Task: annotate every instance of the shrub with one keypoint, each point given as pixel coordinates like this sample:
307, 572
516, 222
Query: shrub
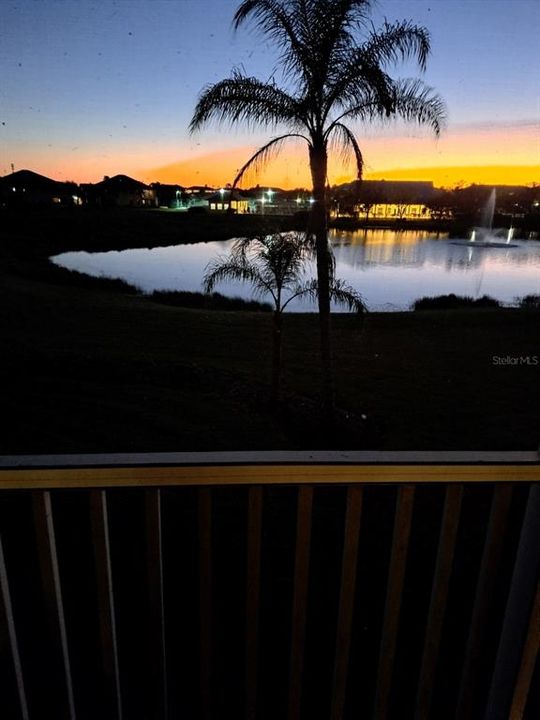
450, 302
215, 301
64, 276
530, 302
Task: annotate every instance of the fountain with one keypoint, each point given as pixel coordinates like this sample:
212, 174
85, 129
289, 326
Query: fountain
484, 236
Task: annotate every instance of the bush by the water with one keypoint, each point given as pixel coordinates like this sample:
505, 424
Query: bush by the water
213, 301
73, 278
450, 302
530, 302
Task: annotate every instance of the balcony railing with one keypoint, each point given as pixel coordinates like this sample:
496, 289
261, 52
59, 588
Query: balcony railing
306, 585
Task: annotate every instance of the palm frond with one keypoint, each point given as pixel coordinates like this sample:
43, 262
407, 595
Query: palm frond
334, 22
279, 256
412, 100
340, 292
347, 296
417, 102
347, 142
260, 244
284, 24
264, 154
225, 268
271, 263
245, 99
399, 41
299, 291
358, 80
359, 70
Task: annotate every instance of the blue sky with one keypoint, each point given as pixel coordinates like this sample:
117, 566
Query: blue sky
117, 80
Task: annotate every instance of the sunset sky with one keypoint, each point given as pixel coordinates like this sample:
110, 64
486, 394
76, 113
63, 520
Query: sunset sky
97, 88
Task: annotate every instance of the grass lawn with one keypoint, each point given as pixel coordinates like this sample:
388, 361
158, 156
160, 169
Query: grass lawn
98, 369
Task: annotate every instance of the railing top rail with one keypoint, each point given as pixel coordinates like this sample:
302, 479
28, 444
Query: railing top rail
279, 457
281, 468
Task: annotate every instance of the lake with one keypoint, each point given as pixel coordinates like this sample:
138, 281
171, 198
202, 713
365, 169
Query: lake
389, 268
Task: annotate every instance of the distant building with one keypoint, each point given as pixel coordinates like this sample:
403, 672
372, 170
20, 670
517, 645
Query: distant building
278, 202
226, 200
196, 196
26, 187
397, 211
120, 191
394, 200
169, 196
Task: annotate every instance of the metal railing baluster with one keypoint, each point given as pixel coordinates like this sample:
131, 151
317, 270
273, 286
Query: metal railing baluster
523, 586
346, 599
439, 596
205, 601
491, 555
105, 596
300, 594
528, 661
255, 501
394, 592
52, 589
156, 627
8, 634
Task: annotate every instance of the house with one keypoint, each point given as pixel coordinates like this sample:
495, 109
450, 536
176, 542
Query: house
26, 187
169, 196
120, 191
278, 202
226, 200
394, 200
196, 196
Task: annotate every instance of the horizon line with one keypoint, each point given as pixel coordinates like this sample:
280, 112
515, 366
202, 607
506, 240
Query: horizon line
419, 174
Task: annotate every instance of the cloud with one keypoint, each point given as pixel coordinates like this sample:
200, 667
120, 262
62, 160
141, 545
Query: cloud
496, 126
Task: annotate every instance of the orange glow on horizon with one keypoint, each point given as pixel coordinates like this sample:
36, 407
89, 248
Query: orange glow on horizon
287, 170
467, 155
491, 156
465, 175
216, 171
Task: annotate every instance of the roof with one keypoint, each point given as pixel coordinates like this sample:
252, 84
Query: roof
395, 191
32, 181
166, 186
225, 196
120, 182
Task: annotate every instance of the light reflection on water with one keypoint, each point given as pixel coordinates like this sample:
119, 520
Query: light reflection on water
391, 269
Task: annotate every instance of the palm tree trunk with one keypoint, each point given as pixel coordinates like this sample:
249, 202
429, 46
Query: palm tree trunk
318, 163
276, 359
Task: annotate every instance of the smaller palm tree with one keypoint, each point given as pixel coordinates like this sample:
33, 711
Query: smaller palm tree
275, 265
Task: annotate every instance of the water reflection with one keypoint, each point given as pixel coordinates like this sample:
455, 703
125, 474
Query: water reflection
379, 247
391, 269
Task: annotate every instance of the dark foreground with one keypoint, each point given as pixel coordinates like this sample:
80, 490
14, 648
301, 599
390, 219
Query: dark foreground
99, 369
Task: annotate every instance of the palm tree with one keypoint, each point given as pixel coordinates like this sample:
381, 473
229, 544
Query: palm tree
274, 265
335, 70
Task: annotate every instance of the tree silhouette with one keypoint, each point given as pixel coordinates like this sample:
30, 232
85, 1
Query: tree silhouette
275, 265
334, 66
